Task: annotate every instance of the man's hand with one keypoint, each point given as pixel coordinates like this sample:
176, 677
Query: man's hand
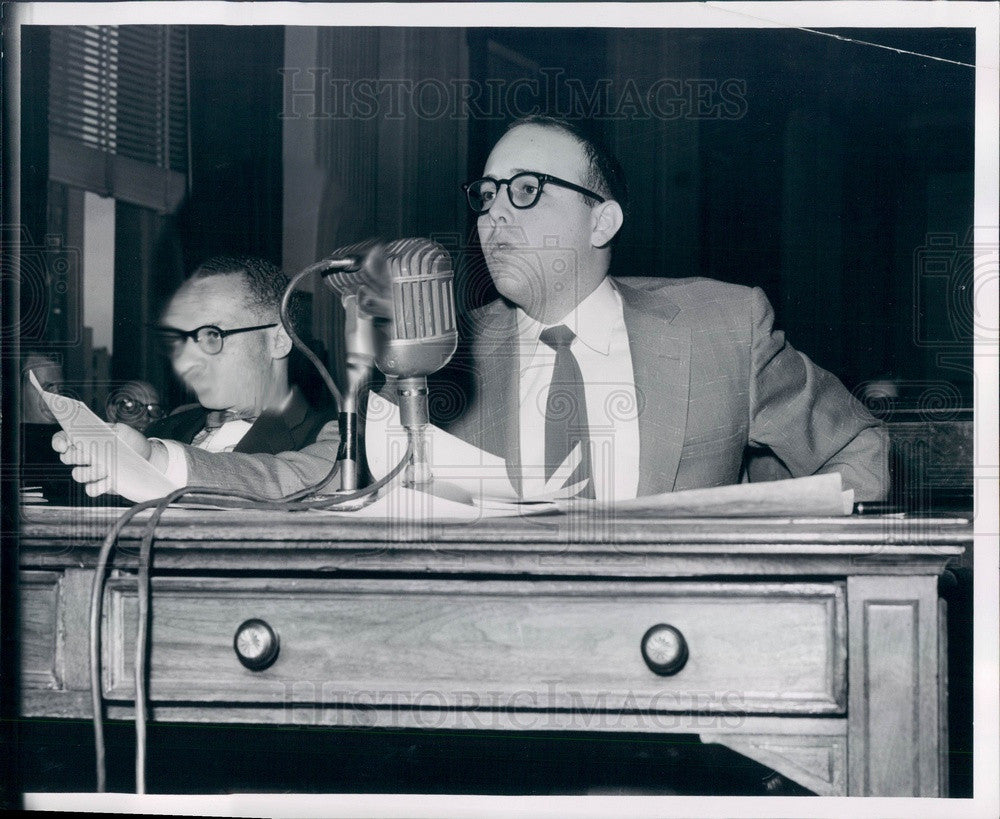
92, 464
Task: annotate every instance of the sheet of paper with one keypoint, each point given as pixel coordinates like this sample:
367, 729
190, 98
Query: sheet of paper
816, 495
402, 505
467, 468
132, 476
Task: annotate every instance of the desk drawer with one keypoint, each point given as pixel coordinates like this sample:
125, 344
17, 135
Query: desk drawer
752, 648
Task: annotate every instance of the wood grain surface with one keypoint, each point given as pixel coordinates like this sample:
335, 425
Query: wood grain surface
754, 648
814, 643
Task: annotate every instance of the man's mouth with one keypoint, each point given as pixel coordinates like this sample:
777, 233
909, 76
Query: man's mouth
503, 240
498, 249
193, 381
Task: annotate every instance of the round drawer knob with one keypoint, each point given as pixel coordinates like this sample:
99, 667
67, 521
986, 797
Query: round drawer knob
664, 649
256, 644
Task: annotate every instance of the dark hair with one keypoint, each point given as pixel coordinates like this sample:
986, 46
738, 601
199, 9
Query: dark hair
605, 174
265, 283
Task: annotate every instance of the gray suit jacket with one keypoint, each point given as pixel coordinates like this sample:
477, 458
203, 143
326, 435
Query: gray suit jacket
713, 382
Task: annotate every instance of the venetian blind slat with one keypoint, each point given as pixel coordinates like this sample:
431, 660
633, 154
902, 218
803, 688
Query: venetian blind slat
118, 111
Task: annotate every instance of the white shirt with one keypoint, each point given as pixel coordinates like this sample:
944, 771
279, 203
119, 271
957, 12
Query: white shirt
601, 349
224, 438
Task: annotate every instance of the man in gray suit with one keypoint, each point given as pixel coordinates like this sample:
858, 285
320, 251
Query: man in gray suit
659, 384
687, 385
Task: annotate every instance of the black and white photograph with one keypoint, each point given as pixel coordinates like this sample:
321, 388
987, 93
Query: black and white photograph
500, 409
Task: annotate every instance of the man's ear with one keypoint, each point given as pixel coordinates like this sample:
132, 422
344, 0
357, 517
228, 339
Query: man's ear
281, 342
606, 221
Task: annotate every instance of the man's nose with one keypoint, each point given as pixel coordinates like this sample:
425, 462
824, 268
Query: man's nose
501, 209
187, 357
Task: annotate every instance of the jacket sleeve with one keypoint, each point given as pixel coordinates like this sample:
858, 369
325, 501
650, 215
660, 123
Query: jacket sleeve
271, 476
806, 416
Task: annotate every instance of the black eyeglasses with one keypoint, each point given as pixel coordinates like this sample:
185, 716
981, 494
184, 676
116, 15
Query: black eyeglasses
208, 337
126, 407
523, 190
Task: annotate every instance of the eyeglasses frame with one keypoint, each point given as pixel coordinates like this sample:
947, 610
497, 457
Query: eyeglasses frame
543, 180
149, 409
223, 334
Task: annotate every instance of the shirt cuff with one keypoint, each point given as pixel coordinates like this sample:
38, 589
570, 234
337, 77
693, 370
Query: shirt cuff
177, 467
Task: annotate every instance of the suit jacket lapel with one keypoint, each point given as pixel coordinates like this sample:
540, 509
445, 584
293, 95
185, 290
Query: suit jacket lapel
661, 364
185, 425
273, 432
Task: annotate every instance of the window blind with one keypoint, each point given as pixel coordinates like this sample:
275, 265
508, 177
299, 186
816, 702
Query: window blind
118, 112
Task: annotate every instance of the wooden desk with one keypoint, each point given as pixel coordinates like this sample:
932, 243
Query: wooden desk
814, 646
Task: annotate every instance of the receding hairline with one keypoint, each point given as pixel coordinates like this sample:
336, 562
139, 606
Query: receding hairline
210, 277
592, 175
550, 128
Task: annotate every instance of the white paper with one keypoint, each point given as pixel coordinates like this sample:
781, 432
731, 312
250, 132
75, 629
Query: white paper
132, 476
464, 467
811, 496
403, 505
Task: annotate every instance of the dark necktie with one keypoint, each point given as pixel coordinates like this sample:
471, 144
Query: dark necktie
566, 410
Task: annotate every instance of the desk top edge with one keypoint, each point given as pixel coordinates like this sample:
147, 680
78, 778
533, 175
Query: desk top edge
265, 527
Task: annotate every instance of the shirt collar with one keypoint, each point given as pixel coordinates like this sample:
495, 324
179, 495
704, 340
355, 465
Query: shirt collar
591, 320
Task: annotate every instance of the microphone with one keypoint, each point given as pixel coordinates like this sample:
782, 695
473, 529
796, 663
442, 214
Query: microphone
345, 270
407, 287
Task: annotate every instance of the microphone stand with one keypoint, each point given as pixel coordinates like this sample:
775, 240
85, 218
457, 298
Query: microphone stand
360, 359
407, 287
414, 415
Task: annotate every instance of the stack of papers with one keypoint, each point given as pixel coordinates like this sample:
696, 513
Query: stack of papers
470, 474
32, 494
470, 484
812, 496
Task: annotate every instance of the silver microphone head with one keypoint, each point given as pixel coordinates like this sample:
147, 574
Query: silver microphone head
415, 298
407, 288
352, 267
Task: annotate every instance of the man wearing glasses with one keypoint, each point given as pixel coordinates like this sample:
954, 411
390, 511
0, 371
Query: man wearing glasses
223, 335
658, 384
667, 384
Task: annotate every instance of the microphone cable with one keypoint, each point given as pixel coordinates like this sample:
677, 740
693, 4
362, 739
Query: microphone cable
213, 497
319, 267
159, 506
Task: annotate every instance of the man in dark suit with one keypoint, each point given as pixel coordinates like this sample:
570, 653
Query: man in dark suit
660, 384
223, 334
222, 331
